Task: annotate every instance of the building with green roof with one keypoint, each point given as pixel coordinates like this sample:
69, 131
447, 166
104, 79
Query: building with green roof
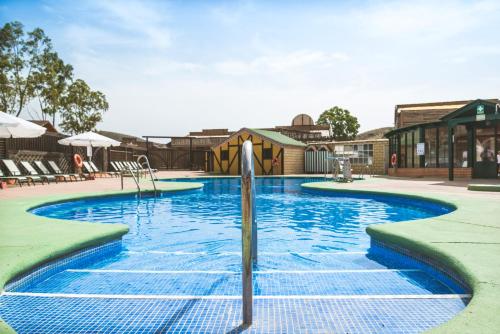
274, 153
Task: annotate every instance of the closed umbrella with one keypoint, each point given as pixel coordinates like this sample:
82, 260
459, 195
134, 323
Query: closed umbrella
15, 127
89, 139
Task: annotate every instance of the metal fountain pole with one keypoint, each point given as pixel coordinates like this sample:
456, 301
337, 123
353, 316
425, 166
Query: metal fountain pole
248, 228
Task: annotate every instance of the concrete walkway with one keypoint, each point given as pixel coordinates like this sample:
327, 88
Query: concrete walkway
27, 240
91, 186
467, 241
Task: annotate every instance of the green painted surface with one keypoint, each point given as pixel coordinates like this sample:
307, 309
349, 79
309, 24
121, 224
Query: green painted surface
27, 240
278, 137
466, 240
484, 187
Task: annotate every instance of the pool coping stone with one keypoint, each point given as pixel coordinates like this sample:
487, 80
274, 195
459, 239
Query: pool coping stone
465, 241
28, 241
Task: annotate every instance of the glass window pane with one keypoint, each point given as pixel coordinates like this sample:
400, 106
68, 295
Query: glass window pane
498, 147
430, 147
416, 158
409, 147
460, 146
443, 147
485, 144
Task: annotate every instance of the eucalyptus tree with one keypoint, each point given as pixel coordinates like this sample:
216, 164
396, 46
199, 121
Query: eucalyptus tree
82, 108
52, 81
344, 126
21, 57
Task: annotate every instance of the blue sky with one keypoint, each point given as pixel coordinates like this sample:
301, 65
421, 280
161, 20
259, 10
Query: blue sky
171, 67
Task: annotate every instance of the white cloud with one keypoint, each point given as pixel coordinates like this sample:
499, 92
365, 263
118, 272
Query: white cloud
424, 19
232, 13
138, 17
129, 24
280, 63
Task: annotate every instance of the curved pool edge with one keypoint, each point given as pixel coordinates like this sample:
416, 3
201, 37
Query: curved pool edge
459, 243
28, 241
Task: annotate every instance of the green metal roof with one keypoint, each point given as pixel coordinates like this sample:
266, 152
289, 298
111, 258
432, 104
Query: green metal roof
278, 137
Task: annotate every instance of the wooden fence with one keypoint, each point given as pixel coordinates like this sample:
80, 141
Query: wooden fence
46, 147
316, 162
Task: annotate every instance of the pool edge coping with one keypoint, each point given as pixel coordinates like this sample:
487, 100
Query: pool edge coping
477, 317
20, 259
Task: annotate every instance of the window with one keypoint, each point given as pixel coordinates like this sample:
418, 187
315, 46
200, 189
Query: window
267, 153
485, 144
224, 155
498, 143
416, 140
460, 152
359, 154
443, 147
405, 150
430, 147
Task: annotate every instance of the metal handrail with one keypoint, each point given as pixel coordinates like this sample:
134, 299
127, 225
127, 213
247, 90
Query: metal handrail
135, 180
151, 174
248, 228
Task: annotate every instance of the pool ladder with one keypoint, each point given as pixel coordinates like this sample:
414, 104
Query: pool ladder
143, 162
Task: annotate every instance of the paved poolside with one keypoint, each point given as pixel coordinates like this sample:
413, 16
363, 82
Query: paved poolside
414, 185
99, 184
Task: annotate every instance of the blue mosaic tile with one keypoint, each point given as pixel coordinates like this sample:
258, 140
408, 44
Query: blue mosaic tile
232, 261
96, 315
229, 284
80, 259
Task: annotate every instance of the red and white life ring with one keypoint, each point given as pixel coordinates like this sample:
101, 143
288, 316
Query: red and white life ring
275, 161
77, 159
394, 160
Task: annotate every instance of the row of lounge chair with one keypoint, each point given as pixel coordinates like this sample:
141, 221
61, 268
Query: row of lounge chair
126, 166
43, 174
32, 176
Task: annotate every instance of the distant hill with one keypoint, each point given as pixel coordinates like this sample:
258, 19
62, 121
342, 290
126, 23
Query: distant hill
374, 134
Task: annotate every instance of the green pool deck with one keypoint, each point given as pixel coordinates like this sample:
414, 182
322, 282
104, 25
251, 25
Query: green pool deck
466, 241
27, 240
484, 187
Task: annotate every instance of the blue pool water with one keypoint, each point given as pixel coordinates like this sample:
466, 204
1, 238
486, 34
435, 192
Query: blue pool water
183, 257
208, 220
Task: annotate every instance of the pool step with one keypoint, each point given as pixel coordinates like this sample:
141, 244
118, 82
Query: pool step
231, 261
223, 283
367, 316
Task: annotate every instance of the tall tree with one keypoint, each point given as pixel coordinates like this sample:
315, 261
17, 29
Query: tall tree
20, 59
52, 81
344, 126
82, 108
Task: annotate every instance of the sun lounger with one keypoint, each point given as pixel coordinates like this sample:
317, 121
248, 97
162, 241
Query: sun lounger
94, 167
19, 179
115, 166
124, 167
33, 173
45, 171
88, 169
59, 172
142, 167
14, 171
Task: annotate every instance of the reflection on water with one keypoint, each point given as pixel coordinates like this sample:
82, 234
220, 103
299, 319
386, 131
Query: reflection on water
289, 218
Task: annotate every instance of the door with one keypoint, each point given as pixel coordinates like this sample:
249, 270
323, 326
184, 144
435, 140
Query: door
485, 158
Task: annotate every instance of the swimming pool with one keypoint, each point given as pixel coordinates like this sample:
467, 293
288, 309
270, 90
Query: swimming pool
180, 266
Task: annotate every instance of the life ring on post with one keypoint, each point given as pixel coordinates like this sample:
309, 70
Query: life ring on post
394, 160
275, 161
77, 159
